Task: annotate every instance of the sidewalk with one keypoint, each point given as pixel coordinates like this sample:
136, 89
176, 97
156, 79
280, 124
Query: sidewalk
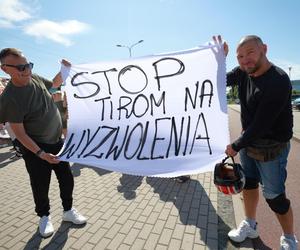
124, 212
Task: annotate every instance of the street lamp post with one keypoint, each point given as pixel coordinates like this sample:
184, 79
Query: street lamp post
290, 69
130, 47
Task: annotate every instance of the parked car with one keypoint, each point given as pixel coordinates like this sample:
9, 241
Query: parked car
296, 103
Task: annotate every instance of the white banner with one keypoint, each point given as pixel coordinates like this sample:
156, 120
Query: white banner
163, 115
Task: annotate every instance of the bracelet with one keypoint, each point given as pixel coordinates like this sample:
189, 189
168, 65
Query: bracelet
39, 152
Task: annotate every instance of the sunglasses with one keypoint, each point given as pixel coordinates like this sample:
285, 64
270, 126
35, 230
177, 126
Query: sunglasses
21, 67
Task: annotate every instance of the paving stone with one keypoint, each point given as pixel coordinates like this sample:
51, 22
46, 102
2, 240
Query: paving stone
164, 213
171, 222
138, 244
138, 225
199, 247
97, 236
212, 231
127, 227
113, 231
151, 242
190, 229
152, 218
103, 243
131, 236
165, 236
124, 247
124, 218
80, 244
188, 241
158, 226
178, 231
145, 231
175, 244
116, 241
110, 222
160, 247
142, 219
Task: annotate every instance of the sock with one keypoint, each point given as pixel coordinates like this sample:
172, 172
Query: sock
252, 222
289, 236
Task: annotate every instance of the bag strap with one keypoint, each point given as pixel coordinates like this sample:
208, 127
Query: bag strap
226, 158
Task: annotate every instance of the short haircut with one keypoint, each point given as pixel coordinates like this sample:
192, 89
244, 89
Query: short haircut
10, 51
249, 38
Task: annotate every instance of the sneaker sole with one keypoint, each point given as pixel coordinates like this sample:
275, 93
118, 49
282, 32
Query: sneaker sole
250, 237
46, 235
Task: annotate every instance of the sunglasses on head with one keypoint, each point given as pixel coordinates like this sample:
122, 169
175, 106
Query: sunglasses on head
21, 67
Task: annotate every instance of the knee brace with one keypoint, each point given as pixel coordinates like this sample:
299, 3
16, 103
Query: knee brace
251, 183
279, 204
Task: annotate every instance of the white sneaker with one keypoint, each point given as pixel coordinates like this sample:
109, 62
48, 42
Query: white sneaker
288, 244
74, 216
242, 232
45, 226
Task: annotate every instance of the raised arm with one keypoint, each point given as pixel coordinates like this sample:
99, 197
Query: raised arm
57, 80
218, 40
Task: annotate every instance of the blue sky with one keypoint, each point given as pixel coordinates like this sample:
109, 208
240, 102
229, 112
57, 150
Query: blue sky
88, 31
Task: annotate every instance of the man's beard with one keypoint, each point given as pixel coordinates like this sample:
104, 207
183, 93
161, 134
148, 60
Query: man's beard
256, 66
252, 70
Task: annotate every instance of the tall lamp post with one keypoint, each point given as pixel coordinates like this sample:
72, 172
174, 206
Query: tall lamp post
290, 69
130, 47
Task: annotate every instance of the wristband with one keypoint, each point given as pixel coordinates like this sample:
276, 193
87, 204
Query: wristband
39, 152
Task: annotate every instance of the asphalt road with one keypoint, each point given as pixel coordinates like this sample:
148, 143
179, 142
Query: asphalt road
268, 226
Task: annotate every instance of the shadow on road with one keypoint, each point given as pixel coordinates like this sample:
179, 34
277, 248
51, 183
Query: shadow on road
7, 157
259, 244
58, 240
128, 185
76, 170
193, 205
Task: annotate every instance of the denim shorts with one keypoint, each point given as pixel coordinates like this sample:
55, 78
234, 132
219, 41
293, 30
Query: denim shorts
271, 174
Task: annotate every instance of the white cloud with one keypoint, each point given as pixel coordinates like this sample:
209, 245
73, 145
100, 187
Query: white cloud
12, 11
285, 65
55, 31
5, 24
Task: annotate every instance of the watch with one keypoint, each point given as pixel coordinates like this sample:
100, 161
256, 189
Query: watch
39, 152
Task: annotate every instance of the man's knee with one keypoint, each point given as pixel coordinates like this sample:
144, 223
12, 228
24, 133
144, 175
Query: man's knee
280, 204
251, 184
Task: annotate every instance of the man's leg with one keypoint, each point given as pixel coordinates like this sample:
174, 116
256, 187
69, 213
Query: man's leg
247, 227
274, 175
286, 221
66, 183
40, 175
251, 197
250, 191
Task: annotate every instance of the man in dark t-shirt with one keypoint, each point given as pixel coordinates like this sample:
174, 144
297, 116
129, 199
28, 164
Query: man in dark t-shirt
267, 121
35, 120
